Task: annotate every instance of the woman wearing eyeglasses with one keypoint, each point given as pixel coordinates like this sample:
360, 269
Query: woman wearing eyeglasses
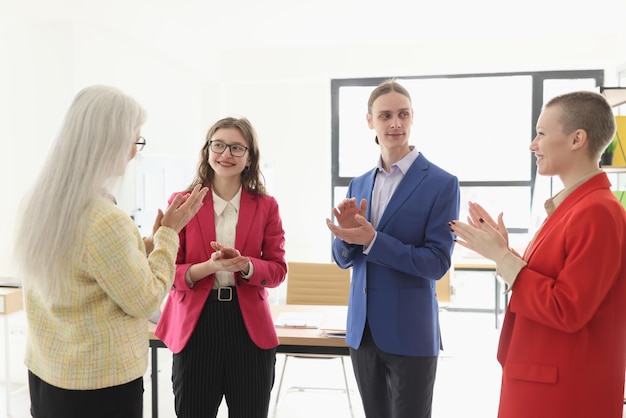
217, 319
88, 286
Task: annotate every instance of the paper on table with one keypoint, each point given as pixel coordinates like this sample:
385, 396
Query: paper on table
335, 328
299, 320
334, 333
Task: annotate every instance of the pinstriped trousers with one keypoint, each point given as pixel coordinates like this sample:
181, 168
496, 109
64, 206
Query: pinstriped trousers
221, 361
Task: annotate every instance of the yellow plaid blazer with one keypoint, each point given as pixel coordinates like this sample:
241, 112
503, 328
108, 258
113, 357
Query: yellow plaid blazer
96, 336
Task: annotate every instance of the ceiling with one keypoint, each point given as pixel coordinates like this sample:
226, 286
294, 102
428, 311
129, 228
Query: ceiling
195, 27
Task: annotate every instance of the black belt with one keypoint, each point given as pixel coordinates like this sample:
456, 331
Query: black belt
223, 294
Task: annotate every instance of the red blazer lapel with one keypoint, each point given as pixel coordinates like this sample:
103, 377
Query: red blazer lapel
599, 181
206, 224
247, 209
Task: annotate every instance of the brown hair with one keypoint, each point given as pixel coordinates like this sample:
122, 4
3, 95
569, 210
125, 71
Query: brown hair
251, 177
590, 112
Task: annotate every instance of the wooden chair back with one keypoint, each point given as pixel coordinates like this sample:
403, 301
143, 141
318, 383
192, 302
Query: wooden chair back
317, 284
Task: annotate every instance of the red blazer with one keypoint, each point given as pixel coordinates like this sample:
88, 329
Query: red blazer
259, 236
563, 340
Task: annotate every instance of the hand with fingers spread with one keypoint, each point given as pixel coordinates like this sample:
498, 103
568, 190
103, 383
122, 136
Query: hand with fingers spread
183, 208
347, 209
481, 237
362, 234
477, 212
180, 211
353, 227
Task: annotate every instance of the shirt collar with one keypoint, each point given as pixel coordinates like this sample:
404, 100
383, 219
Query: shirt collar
404, 164
220, 204
552, 203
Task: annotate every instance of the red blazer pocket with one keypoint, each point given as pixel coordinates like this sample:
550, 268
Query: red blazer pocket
532, 372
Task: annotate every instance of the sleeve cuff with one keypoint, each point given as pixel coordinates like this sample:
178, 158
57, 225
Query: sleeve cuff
250, 271
369, 247
190, 282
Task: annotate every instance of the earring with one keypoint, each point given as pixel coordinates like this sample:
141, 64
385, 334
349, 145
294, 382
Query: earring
247, 168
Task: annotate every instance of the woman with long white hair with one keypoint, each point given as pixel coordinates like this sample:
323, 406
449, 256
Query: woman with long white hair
90, 281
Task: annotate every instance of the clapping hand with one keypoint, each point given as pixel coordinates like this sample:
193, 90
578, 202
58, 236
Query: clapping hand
183, 208
353, 226
481, 234
477, 212
149, 241
228, 258
346, 211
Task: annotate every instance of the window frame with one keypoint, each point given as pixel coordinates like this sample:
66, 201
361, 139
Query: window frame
538, 79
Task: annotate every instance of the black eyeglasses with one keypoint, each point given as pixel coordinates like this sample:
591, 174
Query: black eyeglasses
141, 142
219, 147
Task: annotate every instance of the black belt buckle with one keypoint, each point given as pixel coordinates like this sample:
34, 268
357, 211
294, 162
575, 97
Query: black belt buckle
225, 294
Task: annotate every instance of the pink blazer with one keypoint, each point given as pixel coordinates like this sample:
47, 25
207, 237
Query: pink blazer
563, 340
259, 236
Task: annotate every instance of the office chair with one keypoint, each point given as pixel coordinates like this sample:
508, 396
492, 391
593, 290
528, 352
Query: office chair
316, 284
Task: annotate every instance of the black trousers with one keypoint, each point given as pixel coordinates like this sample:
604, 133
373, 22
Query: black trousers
393, 386
220, 360
122, 401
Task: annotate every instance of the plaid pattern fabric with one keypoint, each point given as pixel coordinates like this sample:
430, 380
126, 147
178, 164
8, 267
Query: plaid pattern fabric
96, 336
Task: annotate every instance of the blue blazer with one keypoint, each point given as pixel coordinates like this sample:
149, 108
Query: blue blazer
393, 286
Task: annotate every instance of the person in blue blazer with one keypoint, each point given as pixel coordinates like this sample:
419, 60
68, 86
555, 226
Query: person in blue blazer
392, 229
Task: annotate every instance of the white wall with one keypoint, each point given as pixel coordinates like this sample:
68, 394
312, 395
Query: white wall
48, 64
284, 92
35, 87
